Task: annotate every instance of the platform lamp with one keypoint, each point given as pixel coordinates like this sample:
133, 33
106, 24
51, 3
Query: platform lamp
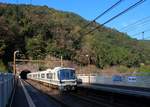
14, 61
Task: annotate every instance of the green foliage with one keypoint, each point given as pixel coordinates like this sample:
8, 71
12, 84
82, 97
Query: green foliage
39, 31
36, 47
2, 67
123, 69
144, 68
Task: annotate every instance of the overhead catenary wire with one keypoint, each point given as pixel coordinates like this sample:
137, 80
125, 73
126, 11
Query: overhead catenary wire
148, 30
136, 23
121, 13
138, 26
106, 11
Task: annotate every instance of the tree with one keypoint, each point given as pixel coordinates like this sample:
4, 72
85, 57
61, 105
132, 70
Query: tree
36, 47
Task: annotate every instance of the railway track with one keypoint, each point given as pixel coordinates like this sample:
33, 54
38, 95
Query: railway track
86, 98
107, 101
39, 88
115, 99
67, 99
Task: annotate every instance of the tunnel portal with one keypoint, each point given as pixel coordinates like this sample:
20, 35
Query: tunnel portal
23, 74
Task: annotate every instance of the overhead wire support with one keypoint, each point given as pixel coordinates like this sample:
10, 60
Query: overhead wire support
121, 13
113, 6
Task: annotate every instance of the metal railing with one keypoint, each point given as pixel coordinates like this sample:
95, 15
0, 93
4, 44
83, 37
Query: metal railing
6, 87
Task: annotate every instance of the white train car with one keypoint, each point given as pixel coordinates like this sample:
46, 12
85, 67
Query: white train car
62, 78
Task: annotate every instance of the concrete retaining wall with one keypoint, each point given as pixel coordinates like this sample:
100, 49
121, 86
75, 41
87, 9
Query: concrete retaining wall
141, 81
6, 87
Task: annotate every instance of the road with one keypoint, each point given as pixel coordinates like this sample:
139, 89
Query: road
27, 96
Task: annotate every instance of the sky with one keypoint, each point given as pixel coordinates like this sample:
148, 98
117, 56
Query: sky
89, 9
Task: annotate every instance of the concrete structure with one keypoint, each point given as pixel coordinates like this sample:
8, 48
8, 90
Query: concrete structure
6, 87
139, 81
28, 66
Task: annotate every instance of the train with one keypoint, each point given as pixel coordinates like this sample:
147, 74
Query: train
60, 77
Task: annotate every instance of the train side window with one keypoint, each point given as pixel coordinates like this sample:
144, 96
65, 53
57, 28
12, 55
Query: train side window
54, 75
42, 75
49, 75
38, 75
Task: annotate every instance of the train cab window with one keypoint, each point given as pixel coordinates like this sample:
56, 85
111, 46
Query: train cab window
66, 74
42, 75
72, 74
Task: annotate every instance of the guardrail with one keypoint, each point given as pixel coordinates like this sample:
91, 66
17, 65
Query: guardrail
6, 87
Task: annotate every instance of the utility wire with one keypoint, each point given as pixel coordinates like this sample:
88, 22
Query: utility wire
110, 8
138, 26
106, 11
140, 32
121, 13
141, 21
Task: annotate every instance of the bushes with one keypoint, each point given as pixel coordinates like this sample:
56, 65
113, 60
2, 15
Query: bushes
122, 69
144, 68
2, 67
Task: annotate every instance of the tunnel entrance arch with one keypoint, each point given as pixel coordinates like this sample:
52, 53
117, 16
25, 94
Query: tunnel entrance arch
23, 74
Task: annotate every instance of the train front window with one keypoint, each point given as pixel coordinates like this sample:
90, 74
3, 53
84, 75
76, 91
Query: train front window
66, 74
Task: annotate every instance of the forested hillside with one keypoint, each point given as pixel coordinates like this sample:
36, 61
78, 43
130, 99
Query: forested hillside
40, 31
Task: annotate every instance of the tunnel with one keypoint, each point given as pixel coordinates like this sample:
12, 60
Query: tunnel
23, 74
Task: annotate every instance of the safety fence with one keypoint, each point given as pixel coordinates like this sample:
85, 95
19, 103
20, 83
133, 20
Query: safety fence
6, 87
138, 81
